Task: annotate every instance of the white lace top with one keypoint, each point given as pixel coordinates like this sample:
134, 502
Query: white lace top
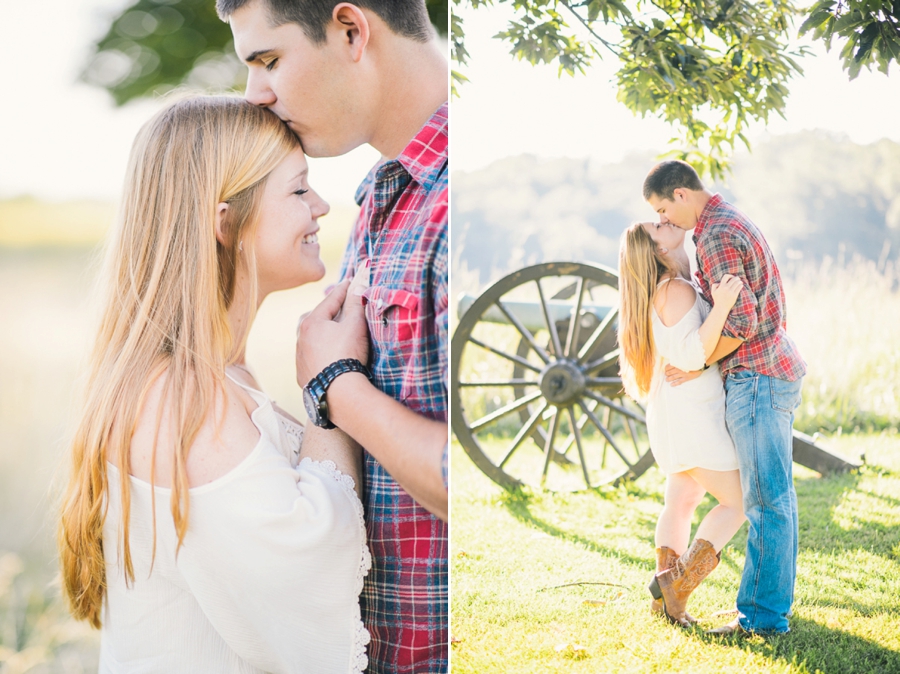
686, 424
267, 580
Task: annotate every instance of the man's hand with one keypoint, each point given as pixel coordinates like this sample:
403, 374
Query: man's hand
677, 377
334, 330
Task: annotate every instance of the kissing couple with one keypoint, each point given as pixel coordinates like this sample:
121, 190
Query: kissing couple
680, 337
203, 529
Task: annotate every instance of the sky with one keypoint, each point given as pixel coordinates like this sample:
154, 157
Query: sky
61, 139
510, 107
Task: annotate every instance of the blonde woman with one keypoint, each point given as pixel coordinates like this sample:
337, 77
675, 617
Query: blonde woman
663, 321
196, 532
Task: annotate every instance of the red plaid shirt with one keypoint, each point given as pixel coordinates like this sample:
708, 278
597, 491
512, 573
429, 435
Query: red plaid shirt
728, 243
402, 230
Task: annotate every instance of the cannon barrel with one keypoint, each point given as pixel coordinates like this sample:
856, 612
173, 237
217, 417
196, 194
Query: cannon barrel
808, 452
530, 314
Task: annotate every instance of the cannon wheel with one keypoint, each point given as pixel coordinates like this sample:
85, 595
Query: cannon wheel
553, 388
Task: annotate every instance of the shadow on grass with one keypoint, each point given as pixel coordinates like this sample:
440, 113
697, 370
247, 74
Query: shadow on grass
519, 504
818, 498
816, 648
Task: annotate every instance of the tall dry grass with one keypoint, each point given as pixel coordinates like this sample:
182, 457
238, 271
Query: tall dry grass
845, 318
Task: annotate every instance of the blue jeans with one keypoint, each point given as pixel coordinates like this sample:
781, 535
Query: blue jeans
759, 412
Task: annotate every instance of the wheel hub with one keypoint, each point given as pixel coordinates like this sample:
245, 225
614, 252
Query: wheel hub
562, 382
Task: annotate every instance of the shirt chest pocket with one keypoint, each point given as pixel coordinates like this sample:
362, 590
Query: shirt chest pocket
393, 317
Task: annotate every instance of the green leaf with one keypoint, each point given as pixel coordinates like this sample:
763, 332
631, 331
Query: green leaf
866, 39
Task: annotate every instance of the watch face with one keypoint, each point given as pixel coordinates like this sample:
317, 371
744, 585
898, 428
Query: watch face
312, 409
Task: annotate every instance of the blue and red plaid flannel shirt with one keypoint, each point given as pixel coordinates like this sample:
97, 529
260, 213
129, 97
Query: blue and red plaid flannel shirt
728, 243
402, 231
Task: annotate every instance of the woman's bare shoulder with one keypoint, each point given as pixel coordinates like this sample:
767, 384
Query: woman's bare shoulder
225, 438
674, 300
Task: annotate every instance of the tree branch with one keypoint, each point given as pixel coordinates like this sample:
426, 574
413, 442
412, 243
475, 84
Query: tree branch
678, 25
587, 25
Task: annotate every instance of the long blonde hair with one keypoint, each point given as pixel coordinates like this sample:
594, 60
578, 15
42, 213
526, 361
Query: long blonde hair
641, 268
168, 284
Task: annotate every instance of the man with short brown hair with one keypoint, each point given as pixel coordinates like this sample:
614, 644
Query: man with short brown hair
341, 74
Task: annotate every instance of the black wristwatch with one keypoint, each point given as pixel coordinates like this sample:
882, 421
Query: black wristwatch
314, 391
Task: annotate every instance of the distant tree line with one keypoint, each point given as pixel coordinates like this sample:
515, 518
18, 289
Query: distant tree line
812, 195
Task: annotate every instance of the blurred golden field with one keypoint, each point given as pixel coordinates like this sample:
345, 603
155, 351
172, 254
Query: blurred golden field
49, 256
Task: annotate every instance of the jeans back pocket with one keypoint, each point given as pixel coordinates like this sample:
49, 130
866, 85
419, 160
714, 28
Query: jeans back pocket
785, 394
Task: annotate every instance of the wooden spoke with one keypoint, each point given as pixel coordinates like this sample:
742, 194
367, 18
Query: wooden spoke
607, 413
594, 365
575, 321
598, 334
506, 409
523, 433
567, 444
628, 425
548, 448
548, 320
603, 400
632, 431
509, 356
511, 382
526, 334
605, 432
570, 438
577, 433
602, 381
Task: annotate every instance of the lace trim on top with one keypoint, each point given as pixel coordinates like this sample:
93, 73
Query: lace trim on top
359, 660
294, 432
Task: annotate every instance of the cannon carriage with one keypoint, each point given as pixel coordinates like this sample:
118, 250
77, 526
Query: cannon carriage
536, 396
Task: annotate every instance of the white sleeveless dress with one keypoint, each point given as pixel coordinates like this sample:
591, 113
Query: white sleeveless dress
686, 424
267, 580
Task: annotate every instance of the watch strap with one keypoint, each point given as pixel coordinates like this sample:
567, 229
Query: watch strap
339, 367
318, 386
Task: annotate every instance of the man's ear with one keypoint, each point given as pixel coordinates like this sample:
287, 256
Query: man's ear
354, 28
221, 214
679, 194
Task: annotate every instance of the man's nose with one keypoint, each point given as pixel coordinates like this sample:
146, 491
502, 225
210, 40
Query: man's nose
258, 91
663, 220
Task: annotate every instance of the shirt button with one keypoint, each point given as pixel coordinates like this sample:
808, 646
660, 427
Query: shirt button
384, 321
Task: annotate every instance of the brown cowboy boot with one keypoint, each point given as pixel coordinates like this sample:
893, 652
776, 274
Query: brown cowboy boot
674, 586
665, 559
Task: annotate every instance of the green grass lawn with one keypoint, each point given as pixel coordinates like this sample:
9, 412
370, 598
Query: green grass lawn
512, 552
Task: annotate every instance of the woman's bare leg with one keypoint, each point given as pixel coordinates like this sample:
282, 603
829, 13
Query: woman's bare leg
723, 521
683, 495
